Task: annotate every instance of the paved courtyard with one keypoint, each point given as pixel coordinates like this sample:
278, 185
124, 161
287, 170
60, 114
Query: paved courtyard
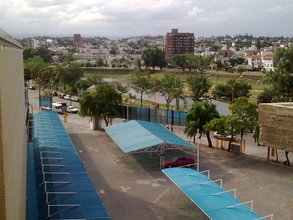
132, 186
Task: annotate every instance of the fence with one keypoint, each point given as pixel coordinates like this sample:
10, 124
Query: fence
45, 101
153, 115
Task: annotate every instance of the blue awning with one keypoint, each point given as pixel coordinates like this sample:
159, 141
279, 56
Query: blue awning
211, 198
135, 135
63, 187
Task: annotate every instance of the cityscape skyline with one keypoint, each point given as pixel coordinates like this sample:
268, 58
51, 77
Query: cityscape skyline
153, 17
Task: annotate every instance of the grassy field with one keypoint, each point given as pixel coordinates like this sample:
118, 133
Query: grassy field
255, 79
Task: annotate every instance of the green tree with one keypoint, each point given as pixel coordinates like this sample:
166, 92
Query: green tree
73, 74
103, 102
167, 86
246, 113
121, 88
224, 91
180, 61
141, 83
154, 57
45, 76
113, 51
65, 58
32, 66
29, 53
242, 120
138, 64
178, 92
199, 115
281, 79
95, 79
199, 86
44, 53
100, 62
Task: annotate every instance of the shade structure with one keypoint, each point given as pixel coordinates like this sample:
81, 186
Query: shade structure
210, 197
63, 187
135, 135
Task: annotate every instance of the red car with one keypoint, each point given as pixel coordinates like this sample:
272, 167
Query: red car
179, 161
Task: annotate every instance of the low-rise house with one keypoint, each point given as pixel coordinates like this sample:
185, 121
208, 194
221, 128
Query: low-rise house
267, 62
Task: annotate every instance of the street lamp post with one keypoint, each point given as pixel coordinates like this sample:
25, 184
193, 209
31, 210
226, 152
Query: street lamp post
233, 88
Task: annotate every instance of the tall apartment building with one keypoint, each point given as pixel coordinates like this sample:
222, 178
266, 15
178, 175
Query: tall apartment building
178, 43
13, 139
77, 40
32, 43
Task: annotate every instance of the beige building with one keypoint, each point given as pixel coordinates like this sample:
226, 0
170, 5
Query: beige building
13, 145
276, 125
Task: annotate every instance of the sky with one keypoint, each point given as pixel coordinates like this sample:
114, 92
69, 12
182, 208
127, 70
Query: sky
122, 18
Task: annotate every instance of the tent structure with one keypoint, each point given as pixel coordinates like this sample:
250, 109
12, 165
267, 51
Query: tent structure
62, 184
216, 202
141, 136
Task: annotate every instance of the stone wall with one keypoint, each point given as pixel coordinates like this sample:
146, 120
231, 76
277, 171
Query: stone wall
276, 125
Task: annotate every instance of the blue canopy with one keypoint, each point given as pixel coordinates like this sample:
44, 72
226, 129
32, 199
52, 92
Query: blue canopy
135, 135
63, 187
211, 198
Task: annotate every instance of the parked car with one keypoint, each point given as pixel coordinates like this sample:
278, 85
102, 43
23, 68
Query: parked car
67, 97
179, 161
59, 107
32, 88
72, 109
75, 98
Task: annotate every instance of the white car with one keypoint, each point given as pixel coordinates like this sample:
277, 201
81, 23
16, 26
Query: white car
67, 97
72, 109
75, 98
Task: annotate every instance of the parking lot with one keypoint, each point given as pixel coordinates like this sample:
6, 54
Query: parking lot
132, 186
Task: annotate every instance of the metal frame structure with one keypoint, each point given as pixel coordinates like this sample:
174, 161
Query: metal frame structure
217, 193
160, 150
63, 186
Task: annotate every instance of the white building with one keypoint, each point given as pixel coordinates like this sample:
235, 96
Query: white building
254, 61
33, 43
267, 62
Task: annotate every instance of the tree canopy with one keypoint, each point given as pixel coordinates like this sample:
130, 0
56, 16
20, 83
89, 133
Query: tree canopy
154, 57
281, 79
242, 120
141, 83
191, 61
32, 66
103, 102
224, 91
198, 115
169, 86
199, 86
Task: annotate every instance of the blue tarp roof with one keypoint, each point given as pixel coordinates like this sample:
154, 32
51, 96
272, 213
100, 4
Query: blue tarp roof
135, 135
214, 206
64, 189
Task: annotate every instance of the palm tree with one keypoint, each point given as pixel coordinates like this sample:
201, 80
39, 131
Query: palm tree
200, 114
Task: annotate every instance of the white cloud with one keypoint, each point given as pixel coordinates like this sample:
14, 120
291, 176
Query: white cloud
133, 17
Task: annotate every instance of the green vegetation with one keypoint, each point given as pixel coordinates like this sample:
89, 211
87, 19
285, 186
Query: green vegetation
154, 57
101, 103
199, 115
242, 120
141, 83
170, 87
281, 80
199, 86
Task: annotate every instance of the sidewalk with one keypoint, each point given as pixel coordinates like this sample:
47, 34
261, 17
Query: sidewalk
251, 147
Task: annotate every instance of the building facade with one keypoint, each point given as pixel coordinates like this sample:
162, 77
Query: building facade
77, 40
178, 43
13, 138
